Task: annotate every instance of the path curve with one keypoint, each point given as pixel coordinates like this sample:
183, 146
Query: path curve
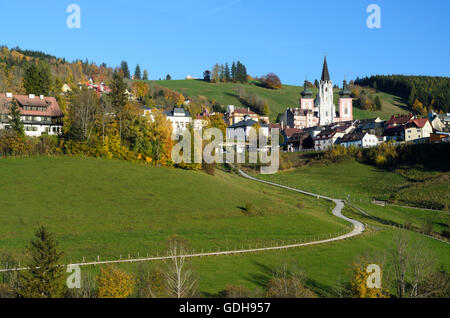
358, 227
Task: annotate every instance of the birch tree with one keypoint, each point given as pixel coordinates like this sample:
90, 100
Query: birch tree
180, 279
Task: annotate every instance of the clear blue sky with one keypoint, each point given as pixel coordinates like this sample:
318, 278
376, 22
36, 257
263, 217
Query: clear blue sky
288, 37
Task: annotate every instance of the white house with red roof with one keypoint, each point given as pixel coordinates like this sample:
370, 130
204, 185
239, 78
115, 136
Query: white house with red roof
40, 114
418, 129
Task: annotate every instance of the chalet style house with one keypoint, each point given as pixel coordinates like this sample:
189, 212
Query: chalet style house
40, 114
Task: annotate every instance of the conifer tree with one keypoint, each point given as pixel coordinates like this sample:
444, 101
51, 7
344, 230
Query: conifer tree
227, 73
38, 79
125, 69
412, 96
233, 72
137, 73
378, 104
44, 278
118, 97
14, 120
145, 76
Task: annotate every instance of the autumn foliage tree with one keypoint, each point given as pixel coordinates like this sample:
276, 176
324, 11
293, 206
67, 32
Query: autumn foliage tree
272, 81
114, 283
360, 287
139, 89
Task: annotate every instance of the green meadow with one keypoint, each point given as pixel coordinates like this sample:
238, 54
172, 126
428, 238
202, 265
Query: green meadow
360, 184
279, 100
109, 208
326, 266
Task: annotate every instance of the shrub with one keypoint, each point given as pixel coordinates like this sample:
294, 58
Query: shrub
236, 291
427, 227
114, 283
272, 81
209, 168
248, 208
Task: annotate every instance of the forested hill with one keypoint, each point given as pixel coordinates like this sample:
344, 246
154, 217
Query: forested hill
431, 92
14, 63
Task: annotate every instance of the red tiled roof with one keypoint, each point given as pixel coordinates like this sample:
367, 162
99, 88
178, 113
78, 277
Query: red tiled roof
290, 131
400, 119
52, 107
420, 123
272, 126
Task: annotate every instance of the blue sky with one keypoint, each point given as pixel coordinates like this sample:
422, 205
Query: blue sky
288, 37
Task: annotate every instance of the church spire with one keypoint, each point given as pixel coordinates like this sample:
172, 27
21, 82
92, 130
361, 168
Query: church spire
325, 73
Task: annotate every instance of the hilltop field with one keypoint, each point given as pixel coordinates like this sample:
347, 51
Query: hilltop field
279, 100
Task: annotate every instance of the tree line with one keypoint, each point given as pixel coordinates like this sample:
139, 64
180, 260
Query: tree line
223, 73
431, 92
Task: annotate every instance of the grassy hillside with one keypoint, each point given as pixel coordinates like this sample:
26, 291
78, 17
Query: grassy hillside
326, 266
361, 183
107, 208
279, 100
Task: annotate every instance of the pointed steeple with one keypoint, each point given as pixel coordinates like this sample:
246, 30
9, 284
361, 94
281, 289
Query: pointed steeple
325, 73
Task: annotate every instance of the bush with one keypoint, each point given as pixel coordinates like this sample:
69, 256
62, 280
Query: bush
114, 283
236, 291
271, 81
427, 227
248, 208
209, 168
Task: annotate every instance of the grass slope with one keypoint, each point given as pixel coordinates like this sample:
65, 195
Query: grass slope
107, 208
361, 183
279, 100
326, 266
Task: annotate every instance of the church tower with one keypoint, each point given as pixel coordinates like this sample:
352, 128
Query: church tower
324, 101
307, 100
345, 104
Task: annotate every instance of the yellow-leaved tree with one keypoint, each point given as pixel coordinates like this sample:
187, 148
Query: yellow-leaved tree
360, 286
114, 283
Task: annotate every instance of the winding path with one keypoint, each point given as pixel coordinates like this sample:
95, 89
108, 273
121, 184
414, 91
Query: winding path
358, 228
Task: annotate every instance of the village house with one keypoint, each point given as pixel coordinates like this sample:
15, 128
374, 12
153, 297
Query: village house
201, 120
300, 141
440, 136
373, 126
327, 138
241, 130
359, 140
235, 115
39, 114
394, 133
436, 122
418, 130
180, 119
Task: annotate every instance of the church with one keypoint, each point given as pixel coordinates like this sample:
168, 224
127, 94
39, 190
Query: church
320, 111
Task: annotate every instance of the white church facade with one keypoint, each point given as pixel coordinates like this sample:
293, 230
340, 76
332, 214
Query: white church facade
321, 110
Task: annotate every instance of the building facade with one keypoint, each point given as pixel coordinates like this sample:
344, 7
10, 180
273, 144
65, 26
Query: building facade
39, 114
